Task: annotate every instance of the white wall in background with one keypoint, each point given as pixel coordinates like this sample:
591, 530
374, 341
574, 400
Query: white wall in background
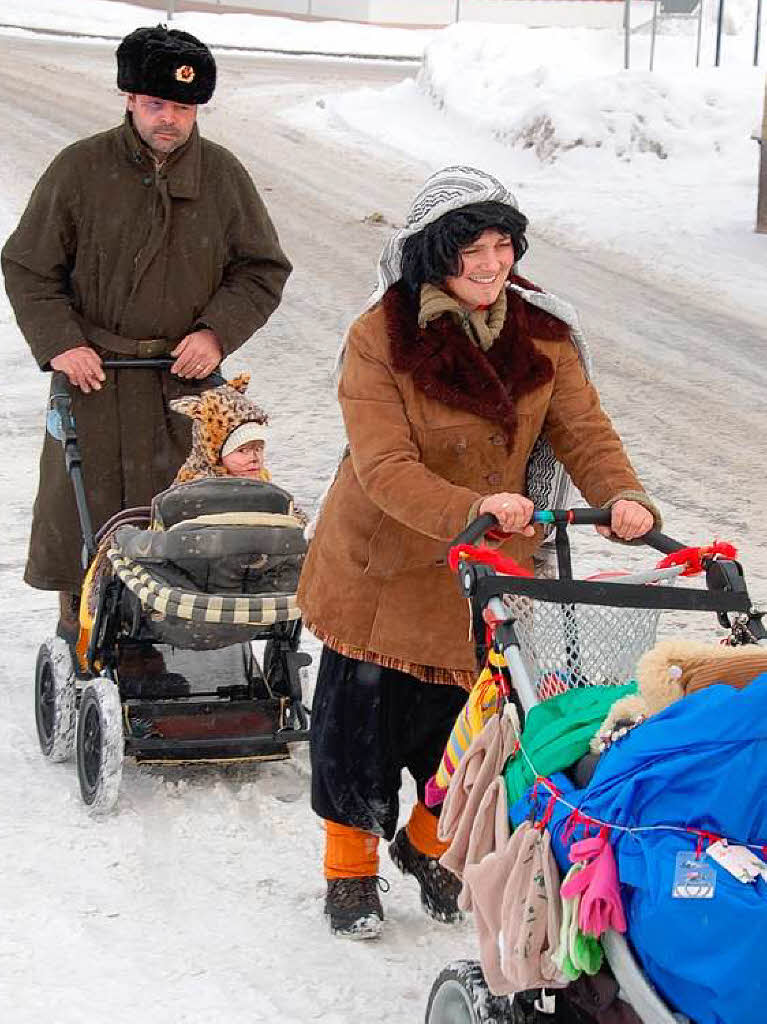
588, 13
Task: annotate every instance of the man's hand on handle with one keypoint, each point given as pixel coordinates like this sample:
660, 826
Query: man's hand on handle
82, 367
197, 355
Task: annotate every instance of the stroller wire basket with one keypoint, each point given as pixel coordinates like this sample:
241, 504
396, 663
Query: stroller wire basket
565, 646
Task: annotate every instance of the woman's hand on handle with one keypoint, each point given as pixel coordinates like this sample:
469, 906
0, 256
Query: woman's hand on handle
513, 512
629, 520
82, 367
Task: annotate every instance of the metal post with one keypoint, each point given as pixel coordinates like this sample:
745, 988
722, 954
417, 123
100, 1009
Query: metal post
700, 33
719, 21
761, 202
457, 15
652, 34
758, 30
627, 34
170, 4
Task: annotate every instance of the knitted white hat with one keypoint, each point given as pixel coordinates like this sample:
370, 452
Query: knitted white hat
246, 432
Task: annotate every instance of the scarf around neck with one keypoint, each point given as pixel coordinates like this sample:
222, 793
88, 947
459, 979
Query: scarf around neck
482, 325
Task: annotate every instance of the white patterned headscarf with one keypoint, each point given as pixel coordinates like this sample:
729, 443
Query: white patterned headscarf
547, 483
445, 191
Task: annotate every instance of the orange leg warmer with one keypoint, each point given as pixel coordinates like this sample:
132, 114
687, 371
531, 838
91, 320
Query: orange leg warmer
349, 852
422, 832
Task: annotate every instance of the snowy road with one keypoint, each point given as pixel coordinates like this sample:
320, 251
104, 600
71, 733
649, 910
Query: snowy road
201, 899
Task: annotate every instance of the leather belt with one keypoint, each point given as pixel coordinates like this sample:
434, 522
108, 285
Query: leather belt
151, 348
146, 348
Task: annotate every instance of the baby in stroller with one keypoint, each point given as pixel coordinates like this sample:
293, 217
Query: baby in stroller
229, 434
211, 566
222, 528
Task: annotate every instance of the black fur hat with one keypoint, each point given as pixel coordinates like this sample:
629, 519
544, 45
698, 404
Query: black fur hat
172, 65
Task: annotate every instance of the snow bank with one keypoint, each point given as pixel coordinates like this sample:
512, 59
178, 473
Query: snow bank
560, 96
658, 167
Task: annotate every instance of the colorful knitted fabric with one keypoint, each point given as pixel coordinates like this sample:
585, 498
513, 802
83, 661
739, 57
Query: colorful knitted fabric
484, 701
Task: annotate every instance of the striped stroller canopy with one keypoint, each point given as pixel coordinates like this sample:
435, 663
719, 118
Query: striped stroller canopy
167, 602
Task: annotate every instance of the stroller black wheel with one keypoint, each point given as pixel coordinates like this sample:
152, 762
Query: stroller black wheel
55, 698
460, 996
100, 745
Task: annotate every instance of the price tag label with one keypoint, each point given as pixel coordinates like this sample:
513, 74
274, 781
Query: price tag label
693, 879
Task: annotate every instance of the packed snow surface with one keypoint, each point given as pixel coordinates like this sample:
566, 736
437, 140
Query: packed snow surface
200, 900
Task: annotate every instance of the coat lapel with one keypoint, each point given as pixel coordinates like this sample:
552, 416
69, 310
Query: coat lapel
447, 367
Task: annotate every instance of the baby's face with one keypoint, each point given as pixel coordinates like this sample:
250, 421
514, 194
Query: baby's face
247, 460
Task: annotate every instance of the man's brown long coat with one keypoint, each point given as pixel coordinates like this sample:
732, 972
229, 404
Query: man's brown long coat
130, 258
434, 424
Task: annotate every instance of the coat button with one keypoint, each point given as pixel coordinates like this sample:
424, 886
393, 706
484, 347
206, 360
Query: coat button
494, 479
498, 439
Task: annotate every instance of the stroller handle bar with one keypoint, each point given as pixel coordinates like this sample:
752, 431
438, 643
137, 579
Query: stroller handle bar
725, 591
61, 383
569, 517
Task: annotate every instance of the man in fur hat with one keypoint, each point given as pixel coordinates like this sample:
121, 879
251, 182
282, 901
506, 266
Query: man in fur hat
142, 241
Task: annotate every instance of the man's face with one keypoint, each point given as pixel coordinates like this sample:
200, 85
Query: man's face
162, 124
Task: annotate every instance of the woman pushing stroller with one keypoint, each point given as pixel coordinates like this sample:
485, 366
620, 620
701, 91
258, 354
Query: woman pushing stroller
460, 385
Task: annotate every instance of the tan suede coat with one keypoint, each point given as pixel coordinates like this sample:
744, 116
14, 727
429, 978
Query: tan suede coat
128, 257
433, 425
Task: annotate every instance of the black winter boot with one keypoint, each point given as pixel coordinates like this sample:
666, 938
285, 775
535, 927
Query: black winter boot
353, 907
439, 887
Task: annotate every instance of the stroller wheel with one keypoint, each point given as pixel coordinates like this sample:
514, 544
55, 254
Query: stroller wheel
100, 745
55, 697
460, 996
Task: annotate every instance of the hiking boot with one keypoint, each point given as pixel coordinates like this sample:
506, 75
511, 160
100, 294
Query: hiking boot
439, 887
353, 907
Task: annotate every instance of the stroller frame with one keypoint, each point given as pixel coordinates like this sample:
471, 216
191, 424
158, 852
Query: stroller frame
454, 1000
81, 702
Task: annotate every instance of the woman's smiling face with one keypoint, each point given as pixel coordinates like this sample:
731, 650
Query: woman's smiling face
485, 265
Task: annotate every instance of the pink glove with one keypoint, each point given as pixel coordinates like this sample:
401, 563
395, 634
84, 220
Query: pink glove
601, 907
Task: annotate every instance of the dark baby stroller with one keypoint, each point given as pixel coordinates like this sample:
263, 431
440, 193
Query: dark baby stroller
555, 635
183, 589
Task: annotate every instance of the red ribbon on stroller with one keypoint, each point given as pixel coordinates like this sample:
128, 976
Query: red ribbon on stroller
693, 557
487, 556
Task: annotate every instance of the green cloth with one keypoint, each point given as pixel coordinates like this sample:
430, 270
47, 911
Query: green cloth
557, 732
